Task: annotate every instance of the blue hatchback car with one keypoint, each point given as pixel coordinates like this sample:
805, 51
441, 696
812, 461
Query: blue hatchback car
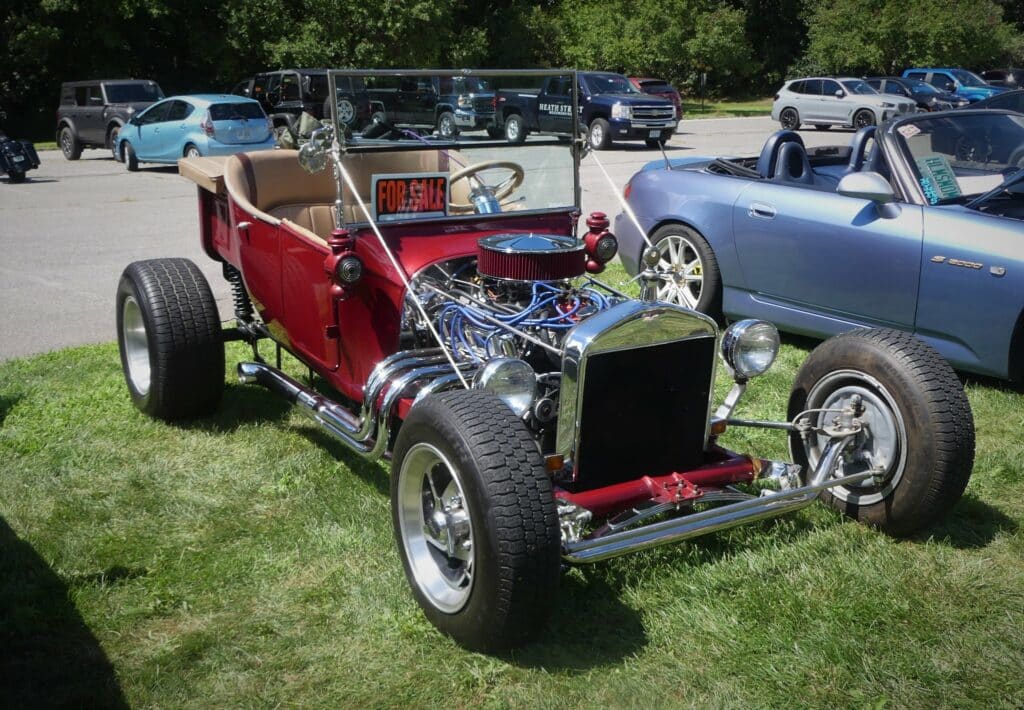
191, 126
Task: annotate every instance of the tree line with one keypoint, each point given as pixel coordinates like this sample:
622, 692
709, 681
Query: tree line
744, 47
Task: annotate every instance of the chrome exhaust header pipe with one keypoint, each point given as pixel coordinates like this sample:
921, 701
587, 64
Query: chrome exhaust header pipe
606, 547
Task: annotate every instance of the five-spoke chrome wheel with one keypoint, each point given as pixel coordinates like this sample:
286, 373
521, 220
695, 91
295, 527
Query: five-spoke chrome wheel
436, 529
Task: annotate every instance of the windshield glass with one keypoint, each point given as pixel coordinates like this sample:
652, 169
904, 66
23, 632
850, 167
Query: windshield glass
408, 143
921, 87
856, 86
959, 156
127, 93
610, 84
967, 78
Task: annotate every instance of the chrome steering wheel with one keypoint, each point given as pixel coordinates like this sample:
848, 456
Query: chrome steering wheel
500, 191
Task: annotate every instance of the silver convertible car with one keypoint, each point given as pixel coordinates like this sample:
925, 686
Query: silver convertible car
916, 225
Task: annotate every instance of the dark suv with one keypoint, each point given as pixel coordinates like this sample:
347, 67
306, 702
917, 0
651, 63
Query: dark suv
288, 93
91, 113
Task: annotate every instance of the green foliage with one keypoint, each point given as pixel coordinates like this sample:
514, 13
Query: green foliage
861, 36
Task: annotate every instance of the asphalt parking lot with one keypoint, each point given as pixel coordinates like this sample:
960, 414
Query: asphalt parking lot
66, 233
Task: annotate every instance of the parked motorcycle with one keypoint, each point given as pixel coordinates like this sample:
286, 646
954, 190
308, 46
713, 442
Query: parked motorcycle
17, 157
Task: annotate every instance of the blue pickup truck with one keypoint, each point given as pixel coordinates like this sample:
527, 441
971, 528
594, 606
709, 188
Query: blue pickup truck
610, 107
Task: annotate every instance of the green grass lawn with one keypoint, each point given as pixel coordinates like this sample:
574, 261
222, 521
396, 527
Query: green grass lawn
245, 560
718, 109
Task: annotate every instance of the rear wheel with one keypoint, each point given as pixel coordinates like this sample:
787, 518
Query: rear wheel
515, 129
131, 161
919, 430
600, 135
789, 119
169, 336
475, 519
16, 176
192, 152
69, 144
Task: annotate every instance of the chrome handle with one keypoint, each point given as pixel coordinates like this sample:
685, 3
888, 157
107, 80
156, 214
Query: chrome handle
761, 211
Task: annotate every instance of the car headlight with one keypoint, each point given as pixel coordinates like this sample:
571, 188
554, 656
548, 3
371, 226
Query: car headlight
749, 347
886, 104
465, 102
511, 380
622, 111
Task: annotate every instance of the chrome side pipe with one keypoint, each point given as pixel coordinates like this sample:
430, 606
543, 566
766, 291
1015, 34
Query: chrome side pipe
402, 374
772, 505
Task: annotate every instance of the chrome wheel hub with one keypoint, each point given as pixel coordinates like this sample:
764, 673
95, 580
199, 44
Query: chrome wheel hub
136, 345
880, 446
682, 271
435, 527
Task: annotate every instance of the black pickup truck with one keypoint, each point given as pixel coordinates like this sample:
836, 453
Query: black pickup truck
445, 104
611, 109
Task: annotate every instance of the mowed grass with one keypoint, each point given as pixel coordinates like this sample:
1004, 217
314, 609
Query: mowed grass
715, 109
246, 560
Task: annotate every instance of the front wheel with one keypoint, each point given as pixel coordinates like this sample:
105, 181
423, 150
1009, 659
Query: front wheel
600, 135
446, 126
475, 519
169, 336
863, 118
131, 161
918, 428
689, 269
789, 119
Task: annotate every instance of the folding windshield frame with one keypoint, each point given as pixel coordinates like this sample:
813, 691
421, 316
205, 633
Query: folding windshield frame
576, 145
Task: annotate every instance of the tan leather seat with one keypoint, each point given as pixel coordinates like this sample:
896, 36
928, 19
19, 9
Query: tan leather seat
273, 184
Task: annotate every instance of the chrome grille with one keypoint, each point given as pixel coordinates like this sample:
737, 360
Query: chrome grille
654, 113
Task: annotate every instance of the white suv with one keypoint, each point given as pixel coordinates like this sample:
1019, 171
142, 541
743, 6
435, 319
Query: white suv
824, 102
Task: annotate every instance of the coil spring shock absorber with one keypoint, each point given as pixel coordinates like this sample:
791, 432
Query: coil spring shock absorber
240, 297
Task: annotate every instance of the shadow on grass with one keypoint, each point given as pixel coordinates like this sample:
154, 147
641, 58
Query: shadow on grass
369, 471
971, 524
607, 633
50, 658
241, 405
6, 405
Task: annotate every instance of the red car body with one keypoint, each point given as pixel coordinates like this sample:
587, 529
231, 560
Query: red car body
659, 87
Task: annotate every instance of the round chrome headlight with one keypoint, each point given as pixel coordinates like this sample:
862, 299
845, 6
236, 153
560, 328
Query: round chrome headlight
513, 381
749, 347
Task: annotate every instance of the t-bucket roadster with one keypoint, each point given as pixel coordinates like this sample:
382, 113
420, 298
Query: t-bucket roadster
535, 416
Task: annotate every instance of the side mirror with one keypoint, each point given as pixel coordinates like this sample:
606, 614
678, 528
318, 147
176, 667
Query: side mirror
867, 186
840, 93
134, 120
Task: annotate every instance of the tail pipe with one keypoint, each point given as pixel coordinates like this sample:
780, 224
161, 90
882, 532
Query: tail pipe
696, 524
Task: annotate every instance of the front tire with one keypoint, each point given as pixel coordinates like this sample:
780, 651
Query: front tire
863, 118
169, 336
515, 129
446, 126
600, 134
920, 430
475, 520
691, 275
789, 119
131, 161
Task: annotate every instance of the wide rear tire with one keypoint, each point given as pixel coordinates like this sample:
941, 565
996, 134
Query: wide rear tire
475, 520
920, 426
169, 335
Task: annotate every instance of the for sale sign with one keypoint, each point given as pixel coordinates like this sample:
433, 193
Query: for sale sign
410, 196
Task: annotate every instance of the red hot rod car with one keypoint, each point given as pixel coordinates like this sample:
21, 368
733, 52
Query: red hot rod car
534, 416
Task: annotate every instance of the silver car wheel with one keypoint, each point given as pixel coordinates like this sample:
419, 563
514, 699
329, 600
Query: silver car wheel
136, 346
346, 112
883, 443
596, 134
682, 271
193, 152
435, 526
